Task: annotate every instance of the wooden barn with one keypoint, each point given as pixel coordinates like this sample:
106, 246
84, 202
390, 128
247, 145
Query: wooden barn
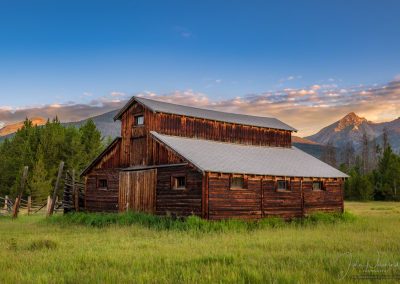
181, 160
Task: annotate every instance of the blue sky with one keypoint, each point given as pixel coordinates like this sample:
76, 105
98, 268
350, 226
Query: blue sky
74, 51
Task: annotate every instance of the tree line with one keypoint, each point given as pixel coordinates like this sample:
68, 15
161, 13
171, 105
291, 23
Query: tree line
41, 148
374, 170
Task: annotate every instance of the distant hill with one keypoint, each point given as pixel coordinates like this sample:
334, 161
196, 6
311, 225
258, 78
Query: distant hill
12, 128
104, 122
351, 129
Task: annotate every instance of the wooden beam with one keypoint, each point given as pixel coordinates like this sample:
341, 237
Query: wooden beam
21, 191
60, 170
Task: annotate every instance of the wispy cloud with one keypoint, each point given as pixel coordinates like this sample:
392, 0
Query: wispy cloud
183, 32
307, 109
290, 78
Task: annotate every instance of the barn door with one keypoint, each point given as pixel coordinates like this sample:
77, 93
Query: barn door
137, 191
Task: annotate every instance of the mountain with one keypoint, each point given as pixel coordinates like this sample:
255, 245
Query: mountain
104, 122
12, 128
313, 148
351, 128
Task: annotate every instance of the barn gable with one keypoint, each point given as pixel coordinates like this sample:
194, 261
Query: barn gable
109, 158
168, 108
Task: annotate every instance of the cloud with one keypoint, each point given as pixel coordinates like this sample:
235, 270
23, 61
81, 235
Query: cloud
290, 78
66, 112
183, 32
307, 109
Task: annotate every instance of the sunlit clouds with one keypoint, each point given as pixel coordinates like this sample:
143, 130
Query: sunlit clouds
307, 109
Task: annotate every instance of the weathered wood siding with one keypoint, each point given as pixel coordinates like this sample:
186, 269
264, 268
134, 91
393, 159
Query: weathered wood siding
137, 147
262, 199
330, 199
282, 203
111, 159
179, 202
224, 202
178, 125
97, 200
133, 142
137, 191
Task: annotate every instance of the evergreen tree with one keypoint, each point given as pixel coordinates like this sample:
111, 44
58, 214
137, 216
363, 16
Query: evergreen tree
90, 141
39, 184
387, 176
329, 154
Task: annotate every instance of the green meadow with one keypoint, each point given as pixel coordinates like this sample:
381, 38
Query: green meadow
360, 246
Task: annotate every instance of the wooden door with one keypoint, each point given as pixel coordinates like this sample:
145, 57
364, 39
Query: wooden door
137, 191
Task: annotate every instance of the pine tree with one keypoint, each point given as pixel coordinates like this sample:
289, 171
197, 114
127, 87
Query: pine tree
329, 154
90, 140
40, 185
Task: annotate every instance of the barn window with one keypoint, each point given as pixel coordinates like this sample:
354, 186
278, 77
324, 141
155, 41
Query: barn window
139, 120
282, 185
103, 184
317, 185
179, 182
237, 182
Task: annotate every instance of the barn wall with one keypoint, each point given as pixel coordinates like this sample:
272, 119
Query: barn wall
285, 204
178, 202
137, 147
111, 159
329, 200
224, 202
98, 200
177, 125
262, 199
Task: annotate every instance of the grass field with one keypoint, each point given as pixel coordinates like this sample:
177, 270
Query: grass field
35, 250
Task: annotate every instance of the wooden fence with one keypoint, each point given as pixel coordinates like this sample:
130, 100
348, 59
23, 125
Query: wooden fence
74, 194
72, 198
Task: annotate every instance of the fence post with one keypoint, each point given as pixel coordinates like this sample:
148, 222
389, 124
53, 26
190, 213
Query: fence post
29, 204
60, 170
48, 204
6, 203
15, 208
75, 192
18, 199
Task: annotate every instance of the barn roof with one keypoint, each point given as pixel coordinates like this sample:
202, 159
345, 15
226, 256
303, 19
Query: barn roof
163, 107
212, 156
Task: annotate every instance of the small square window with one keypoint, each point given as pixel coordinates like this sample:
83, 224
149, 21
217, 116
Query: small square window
103, 184
139, 120
282, 185
179, 182
317, 185
237, 182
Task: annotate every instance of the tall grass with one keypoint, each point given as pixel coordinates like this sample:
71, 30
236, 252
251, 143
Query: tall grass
108, 248
192, 223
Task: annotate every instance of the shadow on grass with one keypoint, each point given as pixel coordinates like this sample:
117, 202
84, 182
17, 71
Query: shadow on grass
192, 223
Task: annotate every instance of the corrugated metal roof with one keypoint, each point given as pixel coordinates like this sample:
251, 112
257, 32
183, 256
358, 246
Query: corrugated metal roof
222, 157
158, 106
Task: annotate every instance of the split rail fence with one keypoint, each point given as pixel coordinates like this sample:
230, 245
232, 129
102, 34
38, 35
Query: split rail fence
72, 198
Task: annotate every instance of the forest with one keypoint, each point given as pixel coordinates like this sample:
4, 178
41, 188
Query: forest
41, 148
373, 169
